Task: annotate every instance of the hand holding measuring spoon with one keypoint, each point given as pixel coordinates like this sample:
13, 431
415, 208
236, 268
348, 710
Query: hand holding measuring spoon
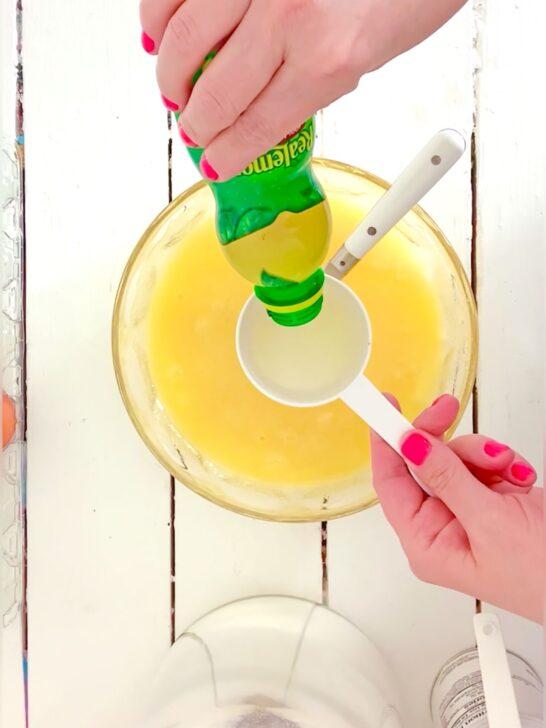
465, 511
279, 62
481, 532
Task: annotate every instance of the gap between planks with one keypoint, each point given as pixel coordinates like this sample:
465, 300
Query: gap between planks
325, 590
172, 526
172, 500
324, 563
19, 111
479, 17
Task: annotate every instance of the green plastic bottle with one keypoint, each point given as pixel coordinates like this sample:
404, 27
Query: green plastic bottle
273, 222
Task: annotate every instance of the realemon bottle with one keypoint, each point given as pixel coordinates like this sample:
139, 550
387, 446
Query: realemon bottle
273, 222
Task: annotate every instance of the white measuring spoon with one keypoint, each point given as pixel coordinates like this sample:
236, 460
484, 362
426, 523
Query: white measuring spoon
500, 699
320, 362
420, 176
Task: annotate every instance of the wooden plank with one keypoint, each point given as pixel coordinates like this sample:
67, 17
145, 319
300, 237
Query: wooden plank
221, 556
396, 110
510, 234
380, 127
416, 626
98, 504
511, 203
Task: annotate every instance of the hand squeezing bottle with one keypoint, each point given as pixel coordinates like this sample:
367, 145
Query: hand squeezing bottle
273, 223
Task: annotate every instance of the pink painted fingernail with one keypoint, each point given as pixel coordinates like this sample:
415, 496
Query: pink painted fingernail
208, 170
147, 43
521, 471
188, 141
494, 448
416, 448
438, 399
169, 104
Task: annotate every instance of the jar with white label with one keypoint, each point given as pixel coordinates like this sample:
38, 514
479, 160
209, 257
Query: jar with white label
458, 701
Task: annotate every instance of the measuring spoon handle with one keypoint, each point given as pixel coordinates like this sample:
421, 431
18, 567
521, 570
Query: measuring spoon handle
371, 405
500, 699
420, 176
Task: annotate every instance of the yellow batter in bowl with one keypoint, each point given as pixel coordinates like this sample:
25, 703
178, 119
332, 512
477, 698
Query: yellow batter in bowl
174, 328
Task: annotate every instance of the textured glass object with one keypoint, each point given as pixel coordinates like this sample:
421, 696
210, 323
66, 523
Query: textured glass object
12, 471
273, 662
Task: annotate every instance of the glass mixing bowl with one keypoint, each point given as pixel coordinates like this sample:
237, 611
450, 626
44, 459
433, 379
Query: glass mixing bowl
273, 662
315, 502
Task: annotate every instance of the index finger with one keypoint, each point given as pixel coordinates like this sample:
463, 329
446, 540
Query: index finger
439, 417
196, 28
266, 120
239, 72
154, 18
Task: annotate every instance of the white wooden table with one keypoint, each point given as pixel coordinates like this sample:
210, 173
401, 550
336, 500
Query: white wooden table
107, 536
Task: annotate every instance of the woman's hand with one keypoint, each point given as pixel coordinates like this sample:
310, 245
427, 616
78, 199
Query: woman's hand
483, 532
279, 62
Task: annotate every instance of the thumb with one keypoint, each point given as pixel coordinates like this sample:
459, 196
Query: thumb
447, 477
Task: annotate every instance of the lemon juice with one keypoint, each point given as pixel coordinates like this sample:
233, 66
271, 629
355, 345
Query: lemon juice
290, 249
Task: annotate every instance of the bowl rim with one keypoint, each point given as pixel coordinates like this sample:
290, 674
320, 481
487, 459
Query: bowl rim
115, 326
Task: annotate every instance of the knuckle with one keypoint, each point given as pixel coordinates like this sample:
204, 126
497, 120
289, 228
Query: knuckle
441, 478
419, 568
146, 12
497, 518
353, 81
254, 129
287, 9
340, 60
332, 68
342, 66
183, 29
188, 127
214, 104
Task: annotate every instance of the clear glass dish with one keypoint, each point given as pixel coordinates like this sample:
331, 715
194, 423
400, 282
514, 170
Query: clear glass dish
251, 497
273, 662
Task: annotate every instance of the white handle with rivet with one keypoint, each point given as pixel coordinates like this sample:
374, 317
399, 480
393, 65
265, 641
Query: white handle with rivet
500, 699
423, 172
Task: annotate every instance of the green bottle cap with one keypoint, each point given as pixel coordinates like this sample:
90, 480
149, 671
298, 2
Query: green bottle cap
292, 304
